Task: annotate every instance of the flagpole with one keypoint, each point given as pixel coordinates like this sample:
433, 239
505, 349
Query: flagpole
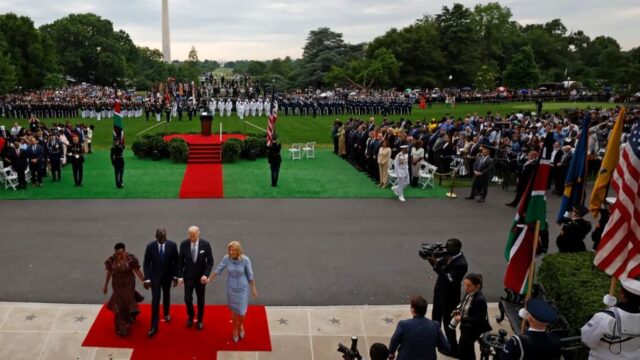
613, 285
532, 269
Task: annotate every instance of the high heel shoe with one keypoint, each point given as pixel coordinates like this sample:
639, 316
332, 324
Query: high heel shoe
235, 337
242, 334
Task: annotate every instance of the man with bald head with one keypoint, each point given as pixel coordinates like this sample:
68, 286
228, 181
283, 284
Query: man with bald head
195, 262
160, 263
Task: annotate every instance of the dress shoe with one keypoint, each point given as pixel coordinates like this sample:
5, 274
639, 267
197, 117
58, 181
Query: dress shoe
481, 200
152, 332
200, 325
511, 204
401, 198
189, 323
167, 318
470, 197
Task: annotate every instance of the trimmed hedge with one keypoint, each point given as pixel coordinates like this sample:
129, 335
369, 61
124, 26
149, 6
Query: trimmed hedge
178, 150
575, 284
150, 146
231, 150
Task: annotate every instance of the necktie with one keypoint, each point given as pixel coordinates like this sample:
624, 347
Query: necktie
162, 252
193, 253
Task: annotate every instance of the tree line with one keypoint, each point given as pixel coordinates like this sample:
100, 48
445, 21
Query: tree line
480, 47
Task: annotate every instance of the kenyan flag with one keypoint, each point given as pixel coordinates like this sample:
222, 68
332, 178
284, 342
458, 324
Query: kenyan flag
532, 208
118, 130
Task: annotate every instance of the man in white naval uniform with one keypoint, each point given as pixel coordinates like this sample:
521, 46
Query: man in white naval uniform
401, 165
221, 107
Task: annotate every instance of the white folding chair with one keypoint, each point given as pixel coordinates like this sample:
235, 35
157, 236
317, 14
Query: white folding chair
427, 174
27, 175
393, 176
10, 178
310, 150
295, 152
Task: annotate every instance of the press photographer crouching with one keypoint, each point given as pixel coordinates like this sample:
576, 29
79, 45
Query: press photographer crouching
377, 351
450, 264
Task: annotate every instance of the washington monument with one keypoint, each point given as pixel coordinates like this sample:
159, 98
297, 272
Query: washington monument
166, 40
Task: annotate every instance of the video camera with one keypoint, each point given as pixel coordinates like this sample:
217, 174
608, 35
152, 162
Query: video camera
436, 250
351, 353
491, 344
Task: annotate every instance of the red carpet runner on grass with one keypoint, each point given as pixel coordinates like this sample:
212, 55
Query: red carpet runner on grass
174, 341
203, 180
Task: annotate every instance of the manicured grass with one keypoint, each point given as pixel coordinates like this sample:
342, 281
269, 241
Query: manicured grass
143, 179
326, 176
292, 128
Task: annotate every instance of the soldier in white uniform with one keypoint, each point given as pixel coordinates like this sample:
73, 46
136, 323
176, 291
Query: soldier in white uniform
212, 107
259, 106
253, 107
401, 165
266, 106
240, 108
615, 333
221, 107
229, 106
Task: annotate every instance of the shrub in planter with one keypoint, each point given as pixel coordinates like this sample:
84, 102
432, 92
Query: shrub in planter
575, 284
178, 150
251, 147
231, 150
155, 143
139, 148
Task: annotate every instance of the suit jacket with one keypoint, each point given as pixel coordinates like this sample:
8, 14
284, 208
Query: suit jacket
156, 269
190, 270
36, 153
450, 277
18, 162
486, 167
417, 339
476, 319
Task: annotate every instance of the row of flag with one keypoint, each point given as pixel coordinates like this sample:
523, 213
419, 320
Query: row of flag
618, 253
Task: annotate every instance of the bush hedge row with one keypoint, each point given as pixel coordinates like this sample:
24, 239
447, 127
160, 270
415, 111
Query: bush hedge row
153, 146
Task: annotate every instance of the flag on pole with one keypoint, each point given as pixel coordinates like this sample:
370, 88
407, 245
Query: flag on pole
574, 190
273, 117
618, 253
118, 130
607, 167
532, 208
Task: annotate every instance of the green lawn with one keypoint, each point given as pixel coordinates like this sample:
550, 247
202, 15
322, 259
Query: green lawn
326, 176
143, 179
291, 128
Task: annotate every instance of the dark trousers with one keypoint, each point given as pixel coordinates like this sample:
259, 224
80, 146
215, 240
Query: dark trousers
479, 186
36, 173
163, 287
189, 286
22, 178
466, 347
275, 171
76, 166
442, 309
56, 173
119, 171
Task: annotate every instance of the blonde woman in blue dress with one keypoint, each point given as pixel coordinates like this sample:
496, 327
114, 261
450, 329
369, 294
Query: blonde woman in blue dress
239, 282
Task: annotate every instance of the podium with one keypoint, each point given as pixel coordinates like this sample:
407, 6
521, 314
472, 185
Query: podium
206, 118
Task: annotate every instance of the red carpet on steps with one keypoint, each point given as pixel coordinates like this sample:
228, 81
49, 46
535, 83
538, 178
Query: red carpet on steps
174, 341
202, 181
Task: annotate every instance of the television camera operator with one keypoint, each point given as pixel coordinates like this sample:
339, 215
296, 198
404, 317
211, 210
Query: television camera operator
449, 263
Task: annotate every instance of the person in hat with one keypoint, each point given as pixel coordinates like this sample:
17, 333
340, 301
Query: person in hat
615, 333
574, 230
536, 343
274, 159
596, 235
401, 165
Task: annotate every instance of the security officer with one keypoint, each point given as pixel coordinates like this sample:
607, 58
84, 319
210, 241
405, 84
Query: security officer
615, 333
117, 160
274, 159
574, 230
446, 294
536, 343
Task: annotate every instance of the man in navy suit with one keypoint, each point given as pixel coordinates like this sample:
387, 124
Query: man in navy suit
195, 262
160, 262
418, 338
37, 163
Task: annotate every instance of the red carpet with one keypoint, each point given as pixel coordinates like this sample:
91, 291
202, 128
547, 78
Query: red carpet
174, 341
202, 181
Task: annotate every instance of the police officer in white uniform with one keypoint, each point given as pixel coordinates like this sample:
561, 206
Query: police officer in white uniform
615, 333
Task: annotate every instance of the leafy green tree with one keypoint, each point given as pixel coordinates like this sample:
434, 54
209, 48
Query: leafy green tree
380, 70
23, 50
486, 78
523, 72
459, 43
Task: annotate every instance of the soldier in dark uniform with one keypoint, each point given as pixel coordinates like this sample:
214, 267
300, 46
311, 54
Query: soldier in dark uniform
147, 110
190, 110
54, 153
75, 153
536, 343
117, 160
274, 159
179, 109
574, 230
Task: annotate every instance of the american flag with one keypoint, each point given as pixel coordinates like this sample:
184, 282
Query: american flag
619, 251
272, 125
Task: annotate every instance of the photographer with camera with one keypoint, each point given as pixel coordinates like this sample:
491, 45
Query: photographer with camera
377, 351
451, 266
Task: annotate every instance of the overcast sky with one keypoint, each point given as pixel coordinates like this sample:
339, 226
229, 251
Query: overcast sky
252, 29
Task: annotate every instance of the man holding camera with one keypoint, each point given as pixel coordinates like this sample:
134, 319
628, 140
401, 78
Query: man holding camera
451, 270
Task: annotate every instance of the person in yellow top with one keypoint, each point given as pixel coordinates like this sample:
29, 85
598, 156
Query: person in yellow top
384, 156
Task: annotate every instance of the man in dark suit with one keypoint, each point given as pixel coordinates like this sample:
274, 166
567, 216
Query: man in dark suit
160, 262
482, 173
195, 262
526, 174
35, 153
451, 270
19, 162
417, 338
562, 169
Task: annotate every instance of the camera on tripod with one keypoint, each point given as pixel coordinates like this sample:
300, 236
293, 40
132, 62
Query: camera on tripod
351, 353
436, 250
